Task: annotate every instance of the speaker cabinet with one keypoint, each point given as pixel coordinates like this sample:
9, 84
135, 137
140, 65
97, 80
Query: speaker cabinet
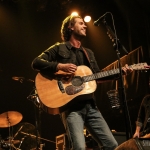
120, 137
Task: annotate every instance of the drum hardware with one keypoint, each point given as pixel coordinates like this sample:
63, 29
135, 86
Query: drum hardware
24, 138
9, 144
26, 142
18, 131
28, 137
8, 119
22, 79
21, 142
34, 98
37, 107
34, 136
12, 141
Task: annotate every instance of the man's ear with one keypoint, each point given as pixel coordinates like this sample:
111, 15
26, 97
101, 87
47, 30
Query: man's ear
71, 28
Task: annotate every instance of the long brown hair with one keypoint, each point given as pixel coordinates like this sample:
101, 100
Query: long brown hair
67, 23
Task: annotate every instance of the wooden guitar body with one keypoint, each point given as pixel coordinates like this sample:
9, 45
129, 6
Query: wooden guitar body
51, 94
57, 91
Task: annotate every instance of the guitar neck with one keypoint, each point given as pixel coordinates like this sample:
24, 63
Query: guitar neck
139, 66
101, 75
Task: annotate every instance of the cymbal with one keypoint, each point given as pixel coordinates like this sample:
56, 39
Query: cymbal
10, 118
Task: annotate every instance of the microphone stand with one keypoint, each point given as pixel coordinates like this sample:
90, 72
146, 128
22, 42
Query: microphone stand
37, 123
34, 98
117, 45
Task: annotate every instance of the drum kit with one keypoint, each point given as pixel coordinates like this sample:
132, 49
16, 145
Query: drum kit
23, 136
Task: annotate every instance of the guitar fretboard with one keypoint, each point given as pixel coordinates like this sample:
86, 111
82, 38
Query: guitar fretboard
140, 66
100, 75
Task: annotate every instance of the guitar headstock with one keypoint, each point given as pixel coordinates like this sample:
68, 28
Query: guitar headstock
140, 66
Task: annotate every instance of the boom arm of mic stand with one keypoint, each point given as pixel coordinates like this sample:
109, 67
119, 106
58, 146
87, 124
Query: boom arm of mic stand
116, 42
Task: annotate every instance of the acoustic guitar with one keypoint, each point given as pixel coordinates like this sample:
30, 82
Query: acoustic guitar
57, 91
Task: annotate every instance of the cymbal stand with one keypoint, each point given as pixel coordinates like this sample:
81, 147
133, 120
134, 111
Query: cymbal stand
34, 98
21, 142
9, 138
12, 145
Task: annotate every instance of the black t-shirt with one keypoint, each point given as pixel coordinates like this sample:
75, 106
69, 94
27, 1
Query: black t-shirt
80, 57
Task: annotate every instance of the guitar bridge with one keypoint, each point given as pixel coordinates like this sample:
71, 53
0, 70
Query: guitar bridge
61, 87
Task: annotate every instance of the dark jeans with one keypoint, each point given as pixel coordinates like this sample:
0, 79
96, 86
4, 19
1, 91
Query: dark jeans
90, 118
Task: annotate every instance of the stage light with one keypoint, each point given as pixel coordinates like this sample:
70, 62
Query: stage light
74, 14
87, 18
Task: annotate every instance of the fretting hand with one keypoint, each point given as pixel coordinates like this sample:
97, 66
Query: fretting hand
126, 69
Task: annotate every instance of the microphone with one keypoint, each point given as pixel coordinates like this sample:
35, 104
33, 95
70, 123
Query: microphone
20, 79
97, 22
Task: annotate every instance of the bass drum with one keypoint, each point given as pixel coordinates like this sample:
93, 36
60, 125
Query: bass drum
26, 134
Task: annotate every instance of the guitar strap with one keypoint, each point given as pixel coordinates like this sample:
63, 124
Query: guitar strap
85, 52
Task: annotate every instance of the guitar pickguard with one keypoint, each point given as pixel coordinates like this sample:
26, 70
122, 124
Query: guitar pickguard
71, 90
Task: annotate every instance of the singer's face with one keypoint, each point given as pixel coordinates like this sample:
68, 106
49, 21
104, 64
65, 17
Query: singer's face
79, 28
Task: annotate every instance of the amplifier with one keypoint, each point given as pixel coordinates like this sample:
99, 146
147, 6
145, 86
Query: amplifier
120, 137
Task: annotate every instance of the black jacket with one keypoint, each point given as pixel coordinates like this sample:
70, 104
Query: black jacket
60, 53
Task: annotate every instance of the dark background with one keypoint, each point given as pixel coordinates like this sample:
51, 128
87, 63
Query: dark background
28, 27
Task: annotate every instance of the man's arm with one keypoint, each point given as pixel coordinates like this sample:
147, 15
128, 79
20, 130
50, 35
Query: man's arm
137, 132
140, 119
46, 61
126, 70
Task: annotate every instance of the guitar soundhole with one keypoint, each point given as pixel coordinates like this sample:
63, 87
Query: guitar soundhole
77, 81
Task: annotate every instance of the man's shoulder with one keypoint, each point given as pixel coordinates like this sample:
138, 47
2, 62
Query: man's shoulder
55, 46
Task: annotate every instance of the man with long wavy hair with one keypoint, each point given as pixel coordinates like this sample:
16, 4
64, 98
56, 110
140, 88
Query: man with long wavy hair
82, 111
